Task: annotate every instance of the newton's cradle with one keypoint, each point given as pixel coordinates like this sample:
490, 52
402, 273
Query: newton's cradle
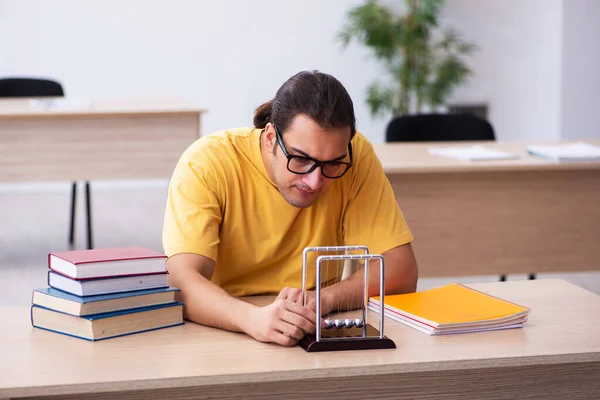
346, 333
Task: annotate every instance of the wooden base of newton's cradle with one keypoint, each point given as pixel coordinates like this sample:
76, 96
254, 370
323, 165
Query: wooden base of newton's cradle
346, 339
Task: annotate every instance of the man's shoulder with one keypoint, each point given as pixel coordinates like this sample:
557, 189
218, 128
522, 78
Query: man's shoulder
361, 145
365, 158
218, 146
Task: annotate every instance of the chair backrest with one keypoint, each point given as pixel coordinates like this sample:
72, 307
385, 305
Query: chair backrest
30, 87
438, 127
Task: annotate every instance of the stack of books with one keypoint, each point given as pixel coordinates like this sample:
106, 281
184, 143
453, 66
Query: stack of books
104, 293
451, 309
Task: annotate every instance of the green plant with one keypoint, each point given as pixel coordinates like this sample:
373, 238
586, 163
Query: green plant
425, 63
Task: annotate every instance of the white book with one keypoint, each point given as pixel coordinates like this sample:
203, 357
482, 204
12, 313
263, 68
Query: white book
472, 153
97, 286
572, 152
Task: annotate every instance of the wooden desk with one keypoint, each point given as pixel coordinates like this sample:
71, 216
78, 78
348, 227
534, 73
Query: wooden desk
100, 140
512, 216
555, 356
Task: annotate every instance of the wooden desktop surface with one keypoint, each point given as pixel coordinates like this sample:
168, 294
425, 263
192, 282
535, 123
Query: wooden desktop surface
415, 158
526, 215
23, 107
555, 356
100, 139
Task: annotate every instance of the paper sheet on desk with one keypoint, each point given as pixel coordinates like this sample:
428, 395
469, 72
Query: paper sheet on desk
567, 152
472, 153
60, 103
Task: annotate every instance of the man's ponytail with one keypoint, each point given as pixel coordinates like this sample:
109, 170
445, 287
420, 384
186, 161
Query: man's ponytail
262, 115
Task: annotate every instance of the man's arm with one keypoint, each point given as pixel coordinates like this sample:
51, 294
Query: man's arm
400, 276
205, 302
401, 273
281, 322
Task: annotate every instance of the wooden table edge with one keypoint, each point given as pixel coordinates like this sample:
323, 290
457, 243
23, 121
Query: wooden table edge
294, 375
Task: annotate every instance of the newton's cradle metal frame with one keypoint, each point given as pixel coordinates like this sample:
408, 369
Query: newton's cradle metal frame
345, 334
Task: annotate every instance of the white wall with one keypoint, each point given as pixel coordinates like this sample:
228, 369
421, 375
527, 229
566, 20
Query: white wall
536, 67
581, 70
228, 56
517, 68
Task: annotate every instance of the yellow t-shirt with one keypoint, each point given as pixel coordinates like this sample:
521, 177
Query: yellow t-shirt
222, 205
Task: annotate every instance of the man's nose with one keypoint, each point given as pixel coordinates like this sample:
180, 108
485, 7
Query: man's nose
314, 180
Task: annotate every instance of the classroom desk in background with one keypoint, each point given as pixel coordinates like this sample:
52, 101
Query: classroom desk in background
512, 216
117, 139
555, 356
526, 215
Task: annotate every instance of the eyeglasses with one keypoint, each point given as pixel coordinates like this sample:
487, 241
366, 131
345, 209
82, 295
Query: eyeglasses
305, 165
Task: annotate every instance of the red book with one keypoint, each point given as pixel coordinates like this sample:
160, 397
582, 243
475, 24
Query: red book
99, 263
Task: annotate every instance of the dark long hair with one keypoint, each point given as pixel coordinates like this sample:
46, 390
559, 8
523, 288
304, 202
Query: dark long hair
318, 95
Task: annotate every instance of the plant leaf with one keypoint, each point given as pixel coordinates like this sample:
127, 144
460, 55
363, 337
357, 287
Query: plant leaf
380, 99
374, 26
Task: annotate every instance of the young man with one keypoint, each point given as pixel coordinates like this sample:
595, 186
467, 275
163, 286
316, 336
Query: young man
244, 203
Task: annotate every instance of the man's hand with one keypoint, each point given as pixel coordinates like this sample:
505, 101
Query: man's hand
283, 322
295, 295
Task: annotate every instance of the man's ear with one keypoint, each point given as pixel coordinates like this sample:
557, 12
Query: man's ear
270, 138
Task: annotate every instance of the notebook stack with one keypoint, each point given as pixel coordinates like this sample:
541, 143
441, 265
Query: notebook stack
451, 309
103, 293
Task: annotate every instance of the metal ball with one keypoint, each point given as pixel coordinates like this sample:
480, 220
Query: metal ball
358, 322
349, 323
339, 323
328, 324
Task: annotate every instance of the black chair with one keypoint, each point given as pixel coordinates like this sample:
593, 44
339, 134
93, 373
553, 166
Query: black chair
438, 127
443, 128
29, 87
33, 87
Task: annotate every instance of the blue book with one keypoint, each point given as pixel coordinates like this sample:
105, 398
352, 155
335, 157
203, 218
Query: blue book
68, 303
108, 325
114, 284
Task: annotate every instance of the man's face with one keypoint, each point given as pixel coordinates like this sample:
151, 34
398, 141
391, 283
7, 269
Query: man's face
305, 138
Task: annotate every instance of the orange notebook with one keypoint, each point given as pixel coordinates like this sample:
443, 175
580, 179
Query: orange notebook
453, 308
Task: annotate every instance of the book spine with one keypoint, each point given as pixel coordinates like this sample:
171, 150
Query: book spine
63, 274
117, 259
105, 277
64, 333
